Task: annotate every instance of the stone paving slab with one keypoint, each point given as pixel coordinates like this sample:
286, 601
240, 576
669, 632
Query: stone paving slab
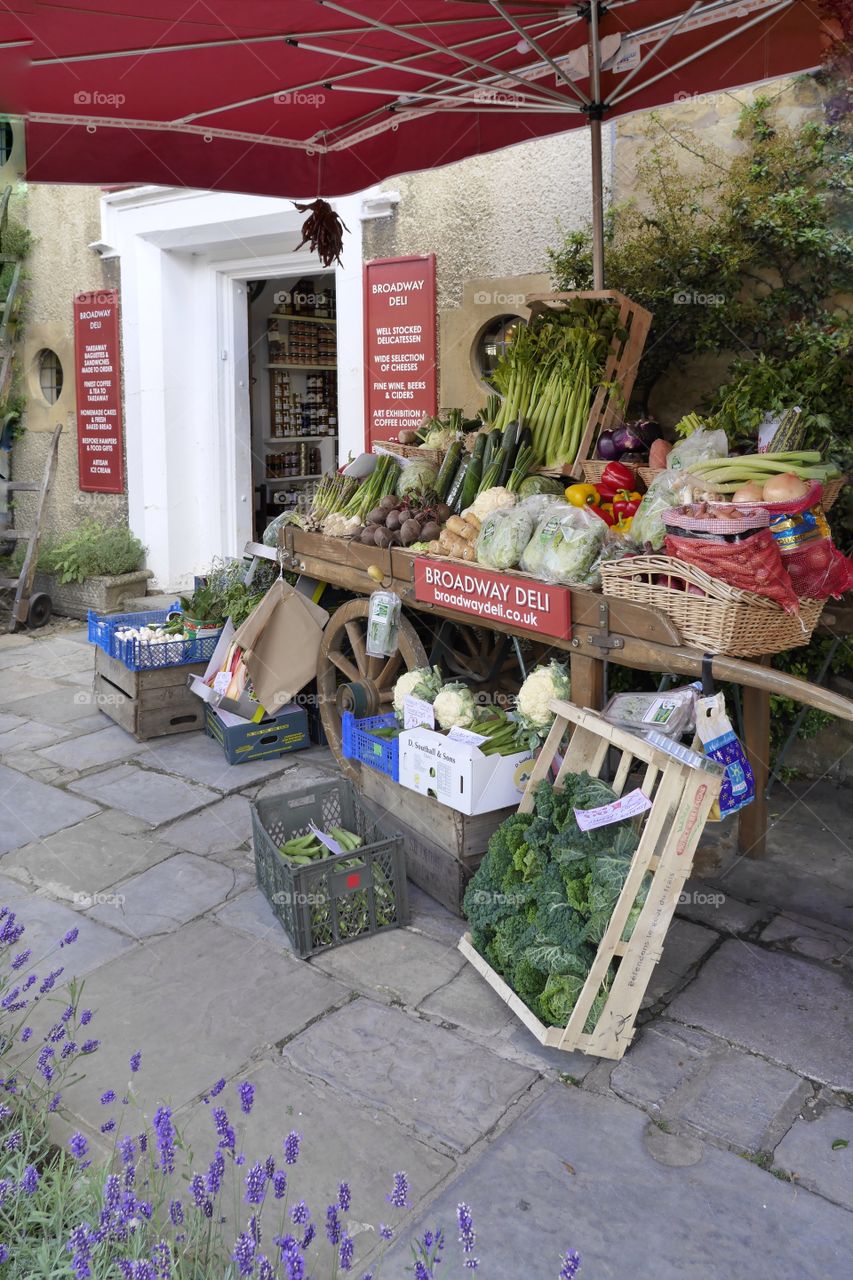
8, 722
806, 1153
740, 1100
217, 829
155, 797
30, 736
685, 945
199, 1003
397, 966
661, 1059
822, 943
782, 1007
573, 1171
48, 922
62, 705
469, 1002
250, 913
162, 898
710, 905
430, 917
93, 751
792, 887
30, 693
31, 809
422, 1074
342, 1140
198, 758
80, 862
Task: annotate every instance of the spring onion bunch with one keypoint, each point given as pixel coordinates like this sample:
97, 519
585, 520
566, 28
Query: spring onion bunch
379, 484
728, 474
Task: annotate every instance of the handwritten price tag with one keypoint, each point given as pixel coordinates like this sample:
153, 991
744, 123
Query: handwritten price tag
625, 807
330, 843
417, 712
458, 734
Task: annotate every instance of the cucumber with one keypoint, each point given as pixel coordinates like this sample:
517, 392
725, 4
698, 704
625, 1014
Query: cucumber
448, 469
493, 442
510, 436
504, 463
455, 490
473, 475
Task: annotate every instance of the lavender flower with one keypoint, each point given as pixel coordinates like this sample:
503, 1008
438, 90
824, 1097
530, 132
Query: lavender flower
344, 1197
161, 1260
215, 1173
43, 1064
467, 1236
570, 1265
265, 1269
291, 1147
256, 1181
4, 1253
108, 1097
54, 1102
310, 1233
5, 1184
421, 1271
385, 1232
71, 936
135, 1059
85, 1017
244, 1254
26, 1034
56, 1033
227, 1138
112, 1191
334, 1231
399, 1196
78, 1146
300, 1214
108, 1126
215, 1091
247, 1097
13, 1140
345, 1254
90, 1046
127, 1150
279, 1184
165, 1132
50, 981
68, 1049
269, 1166
30, 1180
20, 959
294, 1267
176, 1213
68, 1013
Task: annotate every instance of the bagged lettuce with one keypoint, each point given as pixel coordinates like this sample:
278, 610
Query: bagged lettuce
565, 545
669, 489
503, 536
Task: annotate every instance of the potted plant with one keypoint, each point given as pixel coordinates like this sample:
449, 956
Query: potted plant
96, 566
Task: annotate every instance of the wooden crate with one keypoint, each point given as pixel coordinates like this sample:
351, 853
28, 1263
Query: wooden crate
620, 371
148, 704
443, 847
682, 793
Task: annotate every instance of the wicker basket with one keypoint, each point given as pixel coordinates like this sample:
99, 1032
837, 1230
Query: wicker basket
648, 474
831, 488
409, 451
723, 619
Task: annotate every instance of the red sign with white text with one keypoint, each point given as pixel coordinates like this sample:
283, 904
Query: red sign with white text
100, 462
401, 377
516, 601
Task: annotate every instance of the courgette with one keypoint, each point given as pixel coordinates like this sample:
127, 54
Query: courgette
510, 436
455, 490
493, 443
448, 469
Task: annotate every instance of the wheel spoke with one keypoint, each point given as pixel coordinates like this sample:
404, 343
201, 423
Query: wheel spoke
389, 671
344, 665
386, 696
374, 666
356, 639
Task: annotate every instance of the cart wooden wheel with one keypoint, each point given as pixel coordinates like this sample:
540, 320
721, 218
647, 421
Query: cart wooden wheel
348, 680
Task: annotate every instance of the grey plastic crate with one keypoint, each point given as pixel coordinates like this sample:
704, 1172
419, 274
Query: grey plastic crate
342, 897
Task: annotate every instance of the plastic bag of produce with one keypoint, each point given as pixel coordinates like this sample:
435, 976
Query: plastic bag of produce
716, 739
753, 564
699, 447
565, 544
667, 490
816, 567
503, 536
614, 547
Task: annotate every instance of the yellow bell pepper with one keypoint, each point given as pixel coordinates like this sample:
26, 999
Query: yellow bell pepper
583, 495
623, 524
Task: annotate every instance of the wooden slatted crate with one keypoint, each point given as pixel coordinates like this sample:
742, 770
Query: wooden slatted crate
682, 791
610, 403
148, 704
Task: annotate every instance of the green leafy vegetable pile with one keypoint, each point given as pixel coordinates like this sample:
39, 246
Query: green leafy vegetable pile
544, 893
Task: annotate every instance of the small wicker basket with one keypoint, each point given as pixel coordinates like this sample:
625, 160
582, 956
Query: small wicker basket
409, 451
715, 617
593, 470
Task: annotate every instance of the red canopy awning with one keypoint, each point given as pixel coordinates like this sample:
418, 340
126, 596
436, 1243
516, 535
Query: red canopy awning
326, 97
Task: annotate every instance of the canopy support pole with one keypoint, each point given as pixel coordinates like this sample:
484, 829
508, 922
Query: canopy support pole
596, 112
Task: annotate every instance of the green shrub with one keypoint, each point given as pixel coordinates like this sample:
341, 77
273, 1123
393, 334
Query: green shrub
92, 550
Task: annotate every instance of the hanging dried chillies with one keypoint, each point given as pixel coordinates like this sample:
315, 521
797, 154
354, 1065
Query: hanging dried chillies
323, 231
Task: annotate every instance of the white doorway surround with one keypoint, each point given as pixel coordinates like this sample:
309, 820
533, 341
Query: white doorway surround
185, 257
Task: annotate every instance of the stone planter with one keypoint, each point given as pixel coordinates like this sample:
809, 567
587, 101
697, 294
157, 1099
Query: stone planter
106, 594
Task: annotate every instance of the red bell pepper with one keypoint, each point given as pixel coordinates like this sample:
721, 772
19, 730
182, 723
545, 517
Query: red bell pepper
625, 504
606, 513
616, 476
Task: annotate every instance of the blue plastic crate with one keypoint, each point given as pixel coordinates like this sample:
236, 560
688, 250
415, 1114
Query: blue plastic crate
358, 743
137, 656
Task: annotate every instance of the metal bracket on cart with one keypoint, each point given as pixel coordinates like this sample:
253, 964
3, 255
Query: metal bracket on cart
601, 639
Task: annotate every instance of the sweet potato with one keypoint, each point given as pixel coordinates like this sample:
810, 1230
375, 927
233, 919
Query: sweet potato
658, 453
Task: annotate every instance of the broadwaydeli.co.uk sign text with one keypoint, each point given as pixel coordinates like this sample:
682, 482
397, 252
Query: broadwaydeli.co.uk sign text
515, 601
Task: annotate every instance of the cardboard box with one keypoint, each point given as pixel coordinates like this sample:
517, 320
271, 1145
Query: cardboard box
245, 740
244, 706
459, 775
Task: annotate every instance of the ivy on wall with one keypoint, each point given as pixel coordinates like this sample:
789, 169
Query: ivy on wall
15, 243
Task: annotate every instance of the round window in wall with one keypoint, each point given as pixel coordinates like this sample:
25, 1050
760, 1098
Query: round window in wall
50, 375
7, 138
492, 343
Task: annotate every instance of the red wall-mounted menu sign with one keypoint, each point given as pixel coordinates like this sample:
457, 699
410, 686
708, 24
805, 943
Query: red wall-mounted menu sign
511, 599
401, 377
100, 463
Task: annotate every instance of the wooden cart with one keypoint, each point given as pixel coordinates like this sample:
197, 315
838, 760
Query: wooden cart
603, 630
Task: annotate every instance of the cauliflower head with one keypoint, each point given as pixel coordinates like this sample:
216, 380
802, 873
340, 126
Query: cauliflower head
423, 682
454, 706
539, 689
492, 500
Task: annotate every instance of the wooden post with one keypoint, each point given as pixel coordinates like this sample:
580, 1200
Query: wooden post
752, 824
587, 681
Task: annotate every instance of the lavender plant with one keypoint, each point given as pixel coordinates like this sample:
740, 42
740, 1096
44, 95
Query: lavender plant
150, 1210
